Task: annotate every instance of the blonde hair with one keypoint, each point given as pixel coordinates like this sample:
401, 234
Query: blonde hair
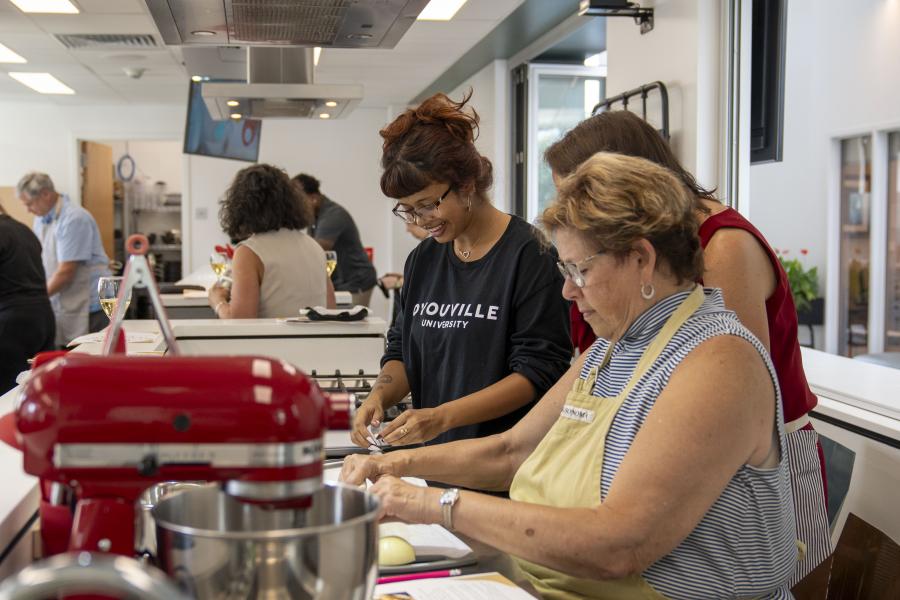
614, 200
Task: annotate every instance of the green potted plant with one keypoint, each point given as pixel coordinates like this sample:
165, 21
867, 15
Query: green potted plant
804, 288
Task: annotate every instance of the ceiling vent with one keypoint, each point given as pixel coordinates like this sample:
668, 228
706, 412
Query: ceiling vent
325, 23
100, 41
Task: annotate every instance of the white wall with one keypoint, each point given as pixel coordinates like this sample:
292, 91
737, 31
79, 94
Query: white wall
42, 137
343, 154
842, 78
155, 160
490, 97
683, 51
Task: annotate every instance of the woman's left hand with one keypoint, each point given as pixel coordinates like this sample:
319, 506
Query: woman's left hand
414, 426
217, 293
407, 502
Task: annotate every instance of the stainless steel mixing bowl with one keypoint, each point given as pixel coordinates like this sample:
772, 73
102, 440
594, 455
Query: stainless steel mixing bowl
218, 548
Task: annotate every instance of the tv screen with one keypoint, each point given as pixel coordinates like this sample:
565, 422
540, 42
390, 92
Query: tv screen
237, 139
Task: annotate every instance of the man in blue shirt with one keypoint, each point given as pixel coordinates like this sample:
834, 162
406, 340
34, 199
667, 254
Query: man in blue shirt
72, 254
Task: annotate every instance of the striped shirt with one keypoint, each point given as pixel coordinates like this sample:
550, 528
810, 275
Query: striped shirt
745, 544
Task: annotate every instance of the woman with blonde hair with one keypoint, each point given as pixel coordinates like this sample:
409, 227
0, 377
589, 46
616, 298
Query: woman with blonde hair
754, 285
656, 467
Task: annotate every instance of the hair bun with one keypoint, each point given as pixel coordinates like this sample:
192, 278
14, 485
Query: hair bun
437, 110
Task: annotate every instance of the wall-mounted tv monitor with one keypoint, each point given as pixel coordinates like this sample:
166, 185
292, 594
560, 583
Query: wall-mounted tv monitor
237, 139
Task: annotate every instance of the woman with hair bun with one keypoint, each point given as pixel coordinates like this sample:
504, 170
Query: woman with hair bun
482, 330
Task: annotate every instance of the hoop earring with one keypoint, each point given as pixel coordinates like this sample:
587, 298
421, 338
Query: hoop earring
645, 293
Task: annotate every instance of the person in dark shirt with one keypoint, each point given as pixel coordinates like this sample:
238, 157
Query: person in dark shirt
334, 229
482, 330
27, 324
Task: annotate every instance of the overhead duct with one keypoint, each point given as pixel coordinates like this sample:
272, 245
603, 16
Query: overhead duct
280, 84
324, 23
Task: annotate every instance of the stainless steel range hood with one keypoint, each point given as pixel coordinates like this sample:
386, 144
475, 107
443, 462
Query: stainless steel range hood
324, 23
280, 84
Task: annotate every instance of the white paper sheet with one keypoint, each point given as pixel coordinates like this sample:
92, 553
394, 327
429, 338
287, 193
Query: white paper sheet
453, 588
131, 337
428, 540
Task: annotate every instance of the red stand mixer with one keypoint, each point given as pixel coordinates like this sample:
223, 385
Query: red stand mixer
108, 427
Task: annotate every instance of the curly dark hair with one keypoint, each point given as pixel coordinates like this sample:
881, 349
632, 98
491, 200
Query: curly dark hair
261, 198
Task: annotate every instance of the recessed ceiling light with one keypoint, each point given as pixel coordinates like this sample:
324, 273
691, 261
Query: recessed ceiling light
47, 6
324, 116
8, 56
317, 52
440, 10
44, 83
196, 78
233, 103
331, 104
236, 116
203, 33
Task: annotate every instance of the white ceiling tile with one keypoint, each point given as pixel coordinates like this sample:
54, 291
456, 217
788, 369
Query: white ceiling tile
111, 6
17, 22
98, 23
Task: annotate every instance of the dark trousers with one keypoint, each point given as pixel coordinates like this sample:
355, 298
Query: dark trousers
25, 330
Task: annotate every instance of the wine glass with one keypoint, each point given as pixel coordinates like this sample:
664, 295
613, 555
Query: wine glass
108, 290
219, 263
330, 261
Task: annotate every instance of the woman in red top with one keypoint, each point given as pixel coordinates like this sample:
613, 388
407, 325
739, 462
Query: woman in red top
754, 285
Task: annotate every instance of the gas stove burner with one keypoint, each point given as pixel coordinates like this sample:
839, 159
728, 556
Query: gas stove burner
359, 384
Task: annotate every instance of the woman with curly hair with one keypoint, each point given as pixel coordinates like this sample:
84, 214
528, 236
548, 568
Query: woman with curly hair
481, 332
277, 269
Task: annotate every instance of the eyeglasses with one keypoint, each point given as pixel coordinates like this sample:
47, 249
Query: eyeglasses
573, 270
424, 211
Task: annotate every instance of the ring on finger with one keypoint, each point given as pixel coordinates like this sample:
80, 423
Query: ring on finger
403, 431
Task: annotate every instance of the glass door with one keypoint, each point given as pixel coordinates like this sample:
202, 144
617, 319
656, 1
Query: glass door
855, 190
560, 96
892, 291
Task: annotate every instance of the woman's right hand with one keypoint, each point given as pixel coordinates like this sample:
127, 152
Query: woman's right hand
359, 467
369, 413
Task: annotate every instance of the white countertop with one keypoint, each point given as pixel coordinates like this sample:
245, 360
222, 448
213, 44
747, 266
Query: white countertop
859, 393
191, 298
236, 328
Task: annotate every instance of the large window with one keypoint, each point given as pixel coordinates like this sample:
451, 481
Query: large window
559, 97
855, 190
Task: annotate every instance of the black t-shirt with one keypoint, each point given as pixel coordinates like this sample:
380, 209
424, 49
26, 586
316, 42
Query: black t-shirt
354, 272
22, 279
464, 326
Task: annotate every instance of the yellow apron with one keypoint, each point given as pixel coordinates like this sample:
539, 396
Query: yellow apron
565, 468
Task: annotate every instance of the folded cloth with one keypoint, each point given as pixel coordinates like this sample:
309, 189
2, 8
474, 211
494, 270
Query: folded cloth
320, 313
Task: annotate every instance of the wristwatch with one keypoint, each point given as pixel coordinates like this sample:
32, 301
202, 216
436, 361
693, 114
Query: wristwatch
448, 500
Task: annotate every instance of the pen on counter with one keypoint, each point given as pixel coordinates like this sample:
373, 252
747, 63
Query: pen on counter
423, 575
